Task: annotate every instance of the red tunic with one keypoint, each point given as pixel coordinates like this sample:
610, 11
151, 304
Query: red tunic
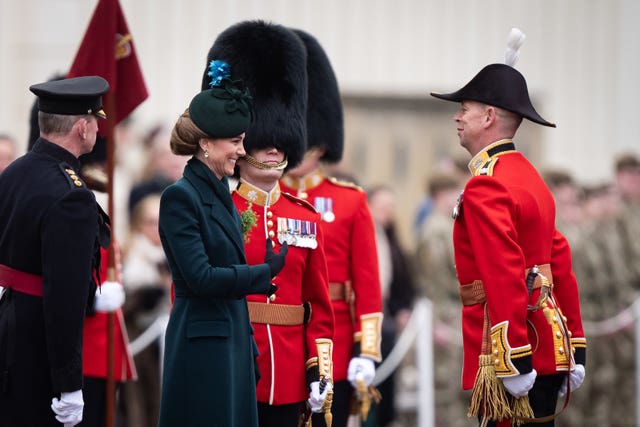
507, 224
284, 350
94, 345
350, 246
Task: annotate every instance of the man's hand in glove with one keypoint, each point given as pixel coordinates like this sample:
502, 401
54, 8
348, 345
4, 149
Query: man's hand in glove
316, 399
361, 367
519, 385
68, 408
576, 377
275, 261
109, 297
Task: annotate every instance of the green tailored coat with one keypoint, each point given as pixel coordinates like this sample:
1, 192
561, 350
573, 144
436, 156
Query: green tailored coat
209, 376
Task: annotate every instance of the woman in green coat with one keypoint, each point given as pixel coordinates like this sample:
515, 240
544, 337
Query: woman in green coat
209, 374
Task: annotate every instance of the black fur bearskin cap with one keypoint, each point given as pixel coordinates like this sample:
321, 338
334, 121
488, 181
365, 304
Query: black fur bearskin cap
271, 62
325, 123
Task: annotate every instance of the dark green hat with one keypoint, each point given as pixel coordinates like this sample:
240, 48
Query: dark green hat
223, 111
499, 85
72, 97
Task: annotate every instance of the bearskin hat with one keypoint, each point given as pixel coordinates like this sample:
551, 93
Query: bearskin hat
325, 123
271, 62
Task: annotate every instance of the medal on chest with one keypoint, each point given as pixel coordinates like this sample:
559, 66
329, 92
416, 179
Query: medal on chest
324, 205
297, 232
457, 209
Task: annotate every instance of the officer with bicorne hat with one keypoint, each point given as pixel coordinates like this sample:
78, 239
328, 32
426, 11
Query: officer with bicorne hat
524, 343
51, 231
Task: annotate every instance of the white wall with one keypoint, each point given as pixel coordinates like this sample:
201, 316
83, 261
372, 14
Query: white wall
581, 57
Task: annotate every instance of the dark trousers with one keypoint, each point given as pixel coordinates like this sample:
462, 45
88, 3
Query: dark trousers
94, 393
543, 398
279, 415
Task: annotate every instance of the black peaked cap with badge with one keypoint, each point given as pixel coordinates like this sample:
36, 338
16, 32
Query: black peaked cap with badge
71, 97
75, 96
325, 121
499, 85
270, 60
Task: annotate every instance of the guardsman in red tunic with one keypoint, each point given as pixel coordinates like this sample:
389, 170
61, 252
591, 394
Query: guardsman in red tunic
109, 298
347, 226
293, 328
288, 325
523, 339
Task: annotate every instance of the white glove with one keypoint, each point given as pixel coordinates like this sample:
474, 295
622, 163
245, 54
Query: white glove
519, 385
68, 409
575, 380
361, 367
316, 399
109, 297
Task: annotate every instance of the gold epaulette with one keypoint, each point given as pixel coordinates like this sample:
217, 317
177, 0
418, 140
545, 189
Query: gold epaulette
299, 201
72, 177
342, 183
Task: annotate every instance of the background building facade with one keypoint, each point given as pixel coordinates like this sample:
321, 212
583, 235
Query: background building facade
581, 59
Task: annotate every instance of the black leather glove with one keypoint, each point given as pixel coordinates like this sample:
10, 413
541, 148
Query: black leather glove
272, 290
275, 261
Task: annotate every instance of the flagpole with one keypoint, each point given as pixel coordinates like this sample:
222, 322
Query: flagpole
107, 50
111, 261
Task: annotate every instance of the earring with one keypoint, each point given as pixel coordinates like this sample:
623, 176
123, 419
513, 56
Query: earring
206, 153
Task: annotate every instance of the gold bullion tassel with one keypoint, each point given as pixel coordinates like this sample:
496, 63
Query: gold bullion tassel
522, 411
365, 400
488, 397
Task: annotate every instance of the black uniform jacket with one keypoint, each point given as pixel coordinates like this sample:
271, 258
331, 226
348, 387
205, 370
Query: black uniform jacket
50, 225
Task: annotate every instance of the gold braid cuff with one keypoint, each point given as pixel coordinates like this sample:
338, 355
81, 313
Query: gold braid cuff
259, 165
503, 353
325, 357
325, 368
370, 336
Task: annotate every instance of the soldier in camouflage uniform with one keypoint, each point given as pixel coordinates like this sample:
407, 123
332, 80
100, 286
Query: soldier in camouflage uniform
568, 197
436, 277
627, 169
600, 267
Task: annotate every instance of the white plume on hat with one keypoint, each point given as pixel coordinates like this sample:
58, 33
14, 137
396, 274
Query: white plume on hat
514, 42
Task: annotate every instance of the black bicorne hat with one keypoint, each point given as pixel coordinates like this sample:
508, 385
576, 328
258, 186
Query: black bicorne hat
325, 123
271, 61
499, 85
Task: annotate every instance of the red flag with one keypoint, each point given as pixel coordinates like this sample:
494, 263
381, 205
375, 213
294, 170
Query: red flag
107, 51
